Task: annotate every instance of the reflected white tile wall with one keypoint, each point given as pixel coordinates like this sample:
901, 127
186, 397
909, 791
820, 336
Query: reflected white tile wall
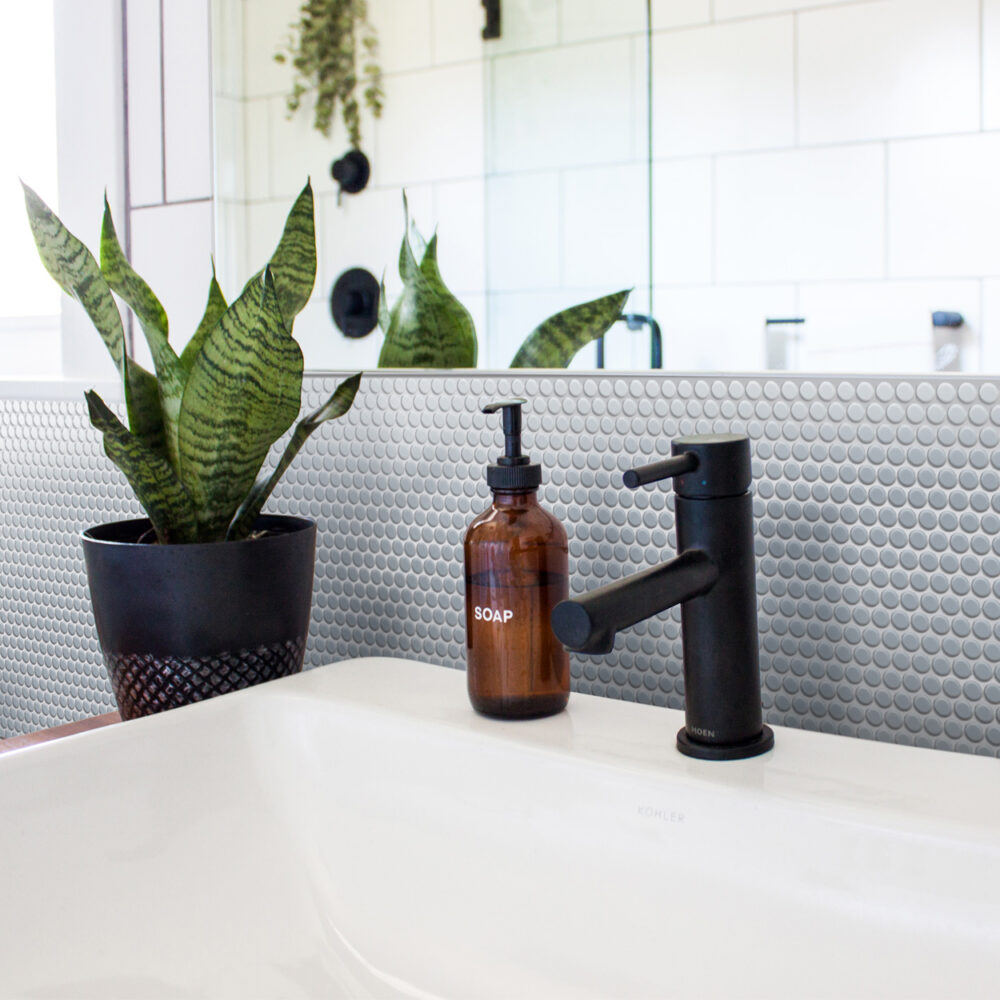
585, 20
944, 206
801, 215
882, 70
313, 152
432, 126
991, 63
723, 87
682, 222
404, 32
145, 122
228, 125
257, 117
187, 122
726, 9
678, 13
525, 24
991, 325
702, 325
604, 228
523, 222
456, 31
547, 107
266, 30
459, 213
848, 325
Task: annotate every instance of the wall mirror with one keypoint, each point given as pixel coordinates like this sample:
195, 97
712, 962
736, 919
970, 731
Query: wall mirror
785, 184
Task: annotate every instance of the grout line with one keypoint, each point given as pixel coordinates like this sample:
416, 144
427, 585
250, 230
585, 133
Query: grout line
843, 144
163, 111
171, 204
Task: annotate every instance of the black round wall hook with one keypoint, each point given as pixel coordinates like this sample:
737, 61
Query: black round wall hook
354, 302
352, 172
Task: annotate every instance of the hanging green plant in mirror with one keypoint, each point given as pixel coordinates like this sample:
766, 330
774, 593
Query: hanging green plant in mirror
429, 328
334, 49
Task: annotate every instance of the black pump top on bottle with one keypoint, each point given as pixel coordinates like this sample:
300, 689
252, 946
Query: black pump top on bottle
512, 472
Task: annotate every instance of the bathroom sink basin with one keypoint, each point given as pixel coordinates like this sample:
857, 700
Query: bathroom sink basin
358, 831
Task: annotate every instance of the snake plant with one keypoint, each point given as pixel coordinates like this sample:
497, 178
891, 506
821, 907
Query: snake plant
429, 328
200, 429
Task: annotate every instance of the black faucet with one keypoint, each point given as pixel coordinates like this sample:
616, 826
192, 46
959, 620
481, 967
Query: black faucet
713, 579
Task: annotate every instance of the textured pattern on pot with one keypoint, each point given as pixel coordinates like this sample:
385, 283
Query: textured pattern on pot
181, 623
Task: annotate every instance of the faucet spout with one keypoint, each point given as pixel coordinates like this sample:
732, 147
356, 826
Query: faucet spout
714, 580
589, 623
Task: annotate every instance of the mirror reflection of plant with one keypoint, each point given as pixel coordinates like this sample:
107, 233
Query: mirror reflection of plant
199, 430
429, 328
334, 48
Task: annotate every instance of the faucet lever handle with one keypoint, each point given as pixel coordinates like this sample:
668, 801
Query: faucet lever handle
667, 469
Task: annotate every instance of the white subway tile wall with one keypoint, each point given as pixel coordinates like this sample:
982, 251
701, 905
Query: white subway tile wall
799, 215
187, 119
944, 206
145, 110
814, 157
888, 69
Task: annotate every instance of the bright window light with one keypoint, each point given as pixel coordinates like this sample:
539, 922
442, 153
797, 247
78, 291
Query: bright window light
29, 298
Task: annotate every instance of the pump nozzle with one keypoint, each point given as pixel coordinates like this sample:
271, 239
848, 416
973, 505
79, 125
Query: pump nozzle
511, 430
513, 470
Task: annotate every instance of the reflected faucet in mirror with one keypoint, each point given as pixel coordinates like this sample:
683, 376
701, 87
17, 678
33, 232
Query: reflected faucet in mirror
713, 579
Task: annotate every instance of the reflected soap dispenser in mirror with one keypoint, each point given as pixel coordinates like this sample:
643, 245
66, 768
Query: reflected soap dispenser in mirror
516, 572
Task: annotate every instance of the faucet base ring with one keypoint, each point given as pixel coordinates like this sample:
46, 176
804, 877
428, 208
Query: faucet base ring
691, 747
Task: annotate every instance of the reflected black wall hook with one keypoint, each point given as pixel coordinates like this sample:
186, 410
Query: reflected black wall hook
354, 302
492, 28
351, 172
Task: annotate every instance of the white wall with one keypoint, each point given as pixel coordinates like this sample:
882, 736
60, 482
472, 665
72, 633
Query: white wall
851, 177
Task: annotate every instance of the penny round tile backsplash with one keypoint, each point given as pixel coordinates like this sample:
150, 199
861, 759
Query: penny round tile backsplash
877, 519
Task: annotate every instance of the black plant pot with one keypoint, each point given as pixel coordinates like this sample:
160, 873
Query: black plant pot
181, 623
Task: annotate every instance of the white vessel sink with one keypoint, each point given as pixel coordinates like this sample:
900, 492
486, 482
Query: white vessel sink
358, 831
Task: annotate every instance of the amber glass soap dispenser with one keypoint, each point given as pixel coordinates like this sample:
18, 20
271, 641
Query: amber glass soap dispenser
516, 572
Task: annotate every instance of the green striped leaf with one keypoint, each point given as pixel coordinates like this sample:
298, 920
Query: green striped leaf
152, 318
215, 308
384, 317
336, 406
154, 481
137, 294
428, 326
555, 342
243, 393
293, 264
142, 403
78, 274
